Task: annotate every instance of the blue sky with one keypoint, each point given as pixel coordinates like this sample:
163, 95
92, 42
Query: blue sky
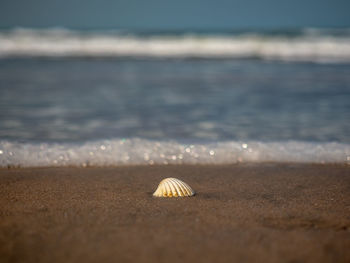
175, 14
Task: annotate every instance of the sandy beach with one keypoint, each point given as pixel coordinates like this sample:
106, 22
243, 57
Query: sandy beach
241, 213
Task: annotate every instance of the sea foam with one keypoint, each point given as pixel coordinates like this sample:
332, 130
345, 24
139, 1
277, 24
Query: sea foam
135, 151
308, 46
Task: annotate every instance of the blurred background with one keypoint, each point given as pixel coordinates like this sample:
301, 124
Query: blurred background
190, 72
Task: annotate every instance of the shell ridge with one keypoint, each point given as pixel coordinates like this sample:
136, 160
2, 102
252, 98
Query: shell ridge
189, 189
164, 188
173, 188
178, 188
168, 188
185, 187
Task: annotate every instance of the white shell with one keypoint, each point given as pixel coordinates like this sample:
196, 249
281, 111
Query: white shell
172, 187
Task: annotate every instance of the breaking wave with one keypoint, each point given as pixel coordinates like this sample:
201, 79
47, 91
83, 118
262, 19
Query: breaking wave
118, 152
309, 45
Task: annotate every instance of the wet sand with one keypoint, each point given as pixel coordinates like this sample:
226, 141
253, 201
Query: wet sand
241, 213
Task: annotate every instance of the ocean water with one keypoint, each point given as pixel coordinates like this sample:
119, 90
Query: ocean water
120, 98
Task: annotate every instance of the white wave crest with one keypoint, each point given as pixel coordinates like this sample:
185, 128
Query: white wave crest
145, 152
63, 43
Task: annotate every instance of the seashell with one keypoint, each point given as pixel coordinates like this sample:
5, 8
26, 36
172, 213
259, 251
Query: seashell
172, 187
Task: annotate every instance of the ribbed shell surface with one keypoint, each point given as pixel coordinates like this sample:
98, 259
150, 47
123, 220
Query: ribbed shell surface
172, 187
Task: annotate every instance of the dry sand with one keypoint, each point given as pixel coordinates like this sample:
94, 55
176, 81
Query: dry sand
241, 213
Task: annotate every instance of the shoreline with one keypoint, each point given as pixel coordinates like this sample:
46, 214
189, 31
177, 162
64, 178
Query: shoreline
344, 164
250, 212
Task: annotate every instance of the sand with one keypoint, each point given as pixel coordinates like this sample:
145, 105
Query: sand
241, 213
